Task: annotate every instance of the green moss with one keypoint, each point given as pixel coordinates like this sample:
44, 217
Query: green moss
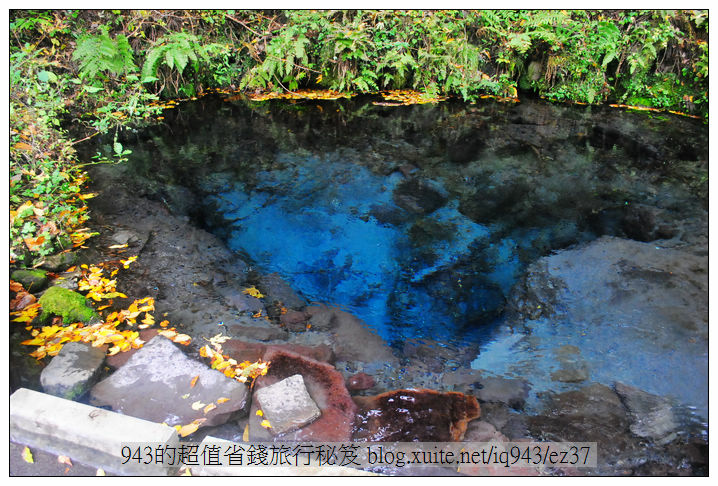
66, 303
31, 279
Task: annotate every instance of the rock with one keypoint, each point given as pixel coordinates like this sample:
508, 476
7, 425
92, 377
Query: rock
66, 303
73, 371
156, 384
325, 386
277, 291
321, 317
414, 416
119, 359
294, 321
509, 391
573, 368
127, 236
481, 431
263, 333
243, 302
243, 350
354, 341
419, 196
60, 261
652, 415
32, 279
360, 381
287, 405
649, 286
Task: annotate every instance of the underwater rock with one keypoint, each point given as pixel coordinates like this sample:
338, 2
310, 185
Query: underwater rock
294, 321
156, 384
360, 381
419, 196
277, 291
325, 386
512, 392
652, 415
414, 415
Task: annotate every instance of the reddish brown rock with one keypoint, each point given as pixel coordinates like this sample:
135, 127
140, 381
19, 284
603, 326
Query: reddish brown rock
415, 415
325, 386
360, 381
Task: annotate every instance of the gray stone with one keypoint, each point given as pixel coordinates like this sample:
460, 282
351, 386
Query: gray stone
73, 371
61, 261
87, 434
573, 368
287, 405
509, 391
652, 416
276, 290
156, 384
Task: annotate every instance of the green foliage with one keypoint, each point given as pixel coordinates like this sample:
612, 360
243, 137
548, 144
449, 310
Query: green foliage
102, 54
176, 52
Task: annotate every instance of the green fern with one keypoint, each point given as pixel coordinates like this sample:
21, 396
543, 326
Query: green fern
175, 51
99, 53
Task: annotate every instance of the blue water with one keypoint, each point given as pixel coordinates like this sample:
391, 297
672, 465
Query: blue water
312, 222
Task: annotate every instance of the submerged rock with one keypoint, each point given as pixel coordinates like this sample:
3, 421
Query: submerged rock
73, 371
360, 381
156, 384
415, 415
652, 415
512, 392
279, 292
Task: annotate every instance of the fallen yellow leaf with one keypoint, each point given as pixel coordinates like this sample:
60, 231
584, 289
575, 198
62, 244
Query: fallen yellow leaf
222, 400
265, 423
27, 455
245, 435
209, 408
194, 381
100, 472
197, 405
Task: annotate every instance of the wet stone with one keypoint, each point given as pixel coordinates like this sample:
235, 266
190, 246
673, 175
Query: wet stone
156, 384
509, 391
287, 405
277, 291
652, 416
73, 371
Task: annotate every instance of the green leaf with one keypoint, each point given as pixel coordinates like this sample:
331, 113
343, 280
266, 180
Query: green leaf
47, 77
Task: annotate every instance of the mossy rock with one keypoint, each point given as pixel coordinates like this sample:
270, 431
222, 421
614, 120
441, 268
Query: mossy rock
33, 280
66, 303
60, 261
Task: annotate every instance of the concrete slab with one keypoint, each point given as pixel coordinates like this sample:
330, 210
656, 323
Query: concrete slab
243, 470
91, 435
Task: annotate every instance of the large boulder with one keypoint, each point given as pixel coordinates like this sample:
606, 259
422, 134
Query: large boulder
161, 384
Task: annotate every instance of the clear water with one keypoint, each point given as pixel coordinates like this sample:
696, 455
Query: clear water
420, 220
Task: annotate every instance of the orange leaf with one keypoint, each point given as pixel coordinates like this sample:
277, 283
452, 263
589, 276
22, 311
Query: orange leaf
209, 408
22, 146
222, 400
194, 381
64, 460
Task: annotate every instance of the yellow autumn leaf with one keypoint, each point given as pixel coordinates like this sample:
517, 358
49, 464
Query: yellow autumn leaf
100, 472
222, 400
117, 247
113, 351
197, 405
209, 408
245, 435
27, 455
265, 423
260, 413
194, 381
253, 292
185, 430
